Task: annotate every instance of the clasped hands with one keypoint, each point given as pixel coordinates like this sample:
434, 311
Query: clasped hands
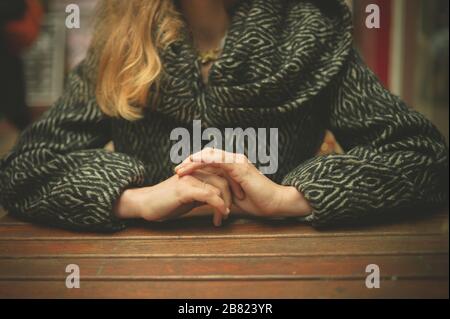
216, 178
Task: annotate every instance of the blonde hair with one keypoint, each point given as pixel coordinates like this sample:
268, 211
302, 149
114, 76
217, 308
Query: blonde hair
129, 35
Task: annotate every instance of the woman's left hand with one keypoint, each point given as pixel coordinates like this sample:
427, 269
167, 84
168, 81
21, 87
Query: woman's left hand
256, 194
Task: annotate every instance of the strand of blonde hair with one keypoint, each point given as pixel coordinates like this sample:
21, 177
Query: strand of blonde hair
128, 38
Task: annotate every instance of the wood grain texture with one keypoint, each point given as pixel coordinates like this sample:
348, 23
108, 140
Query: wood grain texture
334, 267
327, 246
12, 229
226, 289
247, 258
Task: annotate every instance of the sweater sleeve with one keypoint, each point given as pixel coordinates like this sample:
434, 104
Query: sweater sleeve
59, 174
394, 157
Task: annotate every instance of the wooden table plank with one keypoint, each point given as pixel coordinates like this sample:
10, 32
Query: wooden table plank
415, 267
12, 229
335, 246
227, 289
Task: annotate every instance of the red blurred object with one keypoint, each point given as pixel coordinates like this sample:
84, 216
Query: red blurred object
383, 39
20, 34
375, 44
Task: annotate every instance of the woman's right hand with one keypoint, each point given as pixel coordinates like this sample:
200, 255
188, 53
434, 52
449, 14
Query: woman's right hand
176, 196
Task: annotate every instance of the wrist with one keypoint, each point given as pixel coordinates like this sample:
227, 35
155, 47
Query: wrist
293, 203
127, 206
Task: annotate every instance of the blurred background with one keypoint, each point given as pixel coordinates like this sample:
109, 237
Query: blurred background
409, 53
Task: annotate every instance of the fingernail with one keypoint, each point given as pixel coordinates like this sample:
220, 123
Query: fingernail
228, 211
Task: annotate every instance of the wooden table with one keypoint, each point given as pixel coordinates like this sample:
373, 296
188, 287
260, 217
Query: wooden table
246, 258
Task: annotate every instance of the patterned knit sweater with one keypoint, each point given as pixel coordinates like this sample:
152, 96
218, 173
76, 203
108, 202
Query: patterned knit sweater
286, 64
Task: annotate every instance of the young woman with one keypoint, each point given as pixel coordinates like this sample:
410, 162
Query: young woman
157, 65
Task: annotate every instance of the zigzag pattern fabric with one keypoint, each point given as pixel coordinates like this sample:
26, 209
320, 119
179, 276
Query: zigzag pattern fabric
286, 64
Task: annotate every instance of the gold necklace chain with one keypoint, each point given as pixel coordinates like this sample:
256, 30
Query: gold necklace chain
212, 55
